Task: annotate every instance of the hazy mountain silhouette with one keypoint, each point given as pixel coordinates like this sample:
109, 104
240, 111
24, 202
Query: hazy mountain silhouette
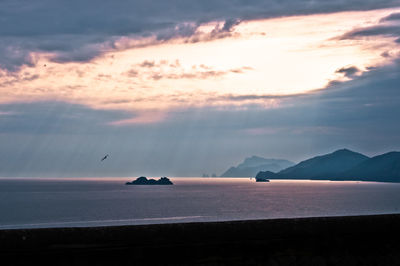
343, 165
252, 165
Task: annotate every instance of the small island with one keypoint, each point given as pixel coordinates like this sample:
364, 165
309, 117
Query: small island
261, 179
263, 176
144, 181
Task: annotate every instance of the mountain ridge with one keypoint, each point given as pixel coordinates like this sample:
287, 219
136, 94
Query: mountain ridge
385, 167
324, 166
343, 164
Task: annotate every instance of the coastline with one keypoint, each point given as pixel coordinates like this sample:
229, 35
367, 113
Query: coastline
345, 240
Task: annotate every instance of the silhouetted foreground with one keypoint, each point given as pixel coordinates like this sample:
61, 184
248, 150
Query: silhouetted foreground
361, 240
144, 181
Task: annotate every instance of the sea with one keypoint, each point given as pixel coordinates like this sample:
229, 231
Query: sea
83, 202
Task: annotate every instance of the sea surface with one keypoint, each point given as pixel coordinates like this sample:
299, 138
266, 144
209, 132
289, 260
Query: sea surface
81, 202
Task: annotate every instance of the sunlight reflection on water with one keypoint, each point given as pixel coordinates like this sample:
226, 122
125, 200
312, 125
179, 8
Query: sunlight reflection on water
68, 202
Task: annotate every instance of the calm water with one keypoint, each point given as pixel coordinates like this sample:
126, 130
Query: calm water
28, 203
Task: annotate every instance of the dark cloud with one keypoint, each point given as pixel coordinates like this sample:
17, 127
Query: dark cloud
17, 51
20, 77
383, 28
239, 98
230, 24
80, 30
11, 57
220, 31
133, 73
146, 63
161, 63
348, 71
199, 74
47, 17
391, 30
393, 16
165, 69
183, 30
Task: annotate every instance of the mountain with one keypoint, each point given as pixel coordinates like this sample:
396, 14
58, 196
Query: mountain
323, 167
343, 165
252, 165
385, 168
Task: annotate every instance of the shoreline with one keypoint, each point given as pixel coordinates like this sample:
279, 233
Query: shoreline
339, 240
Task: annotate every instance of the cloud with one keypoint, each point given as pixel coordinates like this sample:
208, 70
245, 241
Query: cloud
170, 76
393, 16
365, 105
19, 77
230, 24
372, 31
11, 57
240, 98
182, 30
186, 32
220, 31
81, 30
200, 74
388, 26
148, 64
348, 71
165, 69
62, 139
132, 73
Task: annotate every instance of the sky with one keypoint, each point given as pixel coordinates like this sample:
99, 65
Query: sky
182, 88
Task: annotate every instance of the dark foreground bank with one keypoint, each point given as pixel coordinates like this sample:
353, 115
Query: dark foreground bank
358, 240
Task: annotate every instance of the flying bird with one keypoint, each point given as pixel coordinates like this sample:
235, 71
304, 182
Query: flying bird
105, 157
